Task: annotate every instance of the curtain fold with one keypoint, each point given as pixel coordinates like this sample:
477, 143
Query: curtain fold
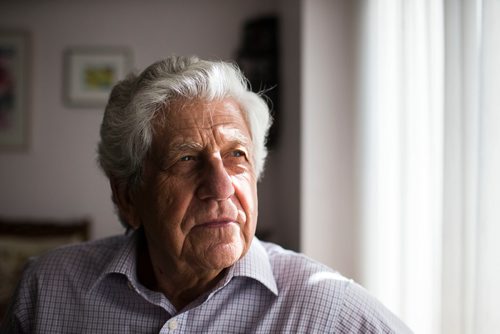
487, 290
401, 152
471, 225
430, 151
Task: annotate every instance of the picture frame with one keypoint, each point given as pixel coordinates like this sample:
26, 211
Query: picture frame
15, 55
90, 73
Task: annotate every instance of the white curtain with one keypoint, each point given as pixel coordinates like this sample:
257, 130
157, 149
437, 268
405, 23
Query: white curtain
401, 156
430, 157
471, 224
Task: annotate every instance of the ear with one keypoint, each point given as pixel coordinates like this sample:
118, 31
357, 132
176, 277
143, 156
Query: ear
124, 201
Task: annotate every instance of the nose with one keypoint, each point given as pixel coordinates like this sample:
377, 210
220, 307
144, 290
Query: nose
216, 182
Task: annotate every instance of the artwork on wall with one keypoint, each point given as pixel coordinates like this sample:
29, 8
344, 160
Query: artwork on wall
14, 89
90, 74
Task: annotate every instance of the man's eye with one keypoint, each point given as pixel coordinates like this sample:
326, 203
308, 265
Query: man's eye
187, 158
237, 154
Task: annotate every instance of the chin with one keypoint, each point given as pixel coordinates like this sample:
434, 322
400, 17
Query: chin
221, 256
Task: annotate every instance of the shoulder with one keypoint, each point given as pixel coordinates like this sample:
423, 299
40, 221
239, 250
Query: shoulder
329, 295
89, 256
363, 311
306, 284
293, 269
57, 279
74, 267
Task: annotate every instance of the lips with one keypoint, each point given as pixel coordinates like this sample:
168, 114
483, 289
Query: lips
216, 223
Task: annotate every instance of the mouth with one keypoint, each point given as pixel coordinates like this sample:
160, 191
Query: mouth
218, 223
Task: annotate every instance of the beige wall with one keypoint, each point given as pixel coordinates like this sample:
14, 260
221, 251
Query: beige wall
58, 177
328, 220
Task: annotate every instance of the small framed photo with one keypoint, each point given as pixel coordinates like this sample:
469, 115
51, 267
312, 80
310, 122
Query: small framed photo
91, 73
14, 89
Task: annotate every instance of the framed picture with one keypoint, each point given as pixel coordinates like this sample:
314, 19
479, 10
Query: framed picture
14, 89
90, 74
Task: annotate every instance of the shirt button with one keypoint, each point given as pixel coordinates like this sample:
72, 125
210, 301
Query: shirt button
172, 324
130, 285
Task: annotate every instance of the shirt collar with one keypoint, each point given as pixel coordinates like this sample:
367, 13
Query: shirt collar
124, 261
255, 264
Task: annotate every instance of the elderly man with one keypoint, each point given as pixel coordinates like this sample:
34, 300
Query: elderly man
183, 145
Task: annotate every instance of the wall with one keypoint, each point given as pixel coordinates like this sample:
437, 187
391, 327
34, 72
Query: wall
328, 216
308, 203
58, 177
279, 191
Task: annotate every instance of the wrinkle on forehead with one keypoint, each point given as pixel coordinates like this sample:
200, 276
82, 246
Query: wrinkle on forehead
210, 108
228, 135
223, 118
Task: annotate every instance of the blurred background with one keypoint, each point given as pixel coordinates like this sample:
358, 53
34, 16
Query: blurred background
384, 156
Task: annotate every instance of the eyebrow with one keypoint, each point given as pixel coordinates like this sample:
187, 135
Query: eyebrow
240, 139
236, 138
185, 146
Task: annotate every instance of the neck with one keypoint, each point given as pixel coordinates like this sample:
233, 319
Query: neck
181, 284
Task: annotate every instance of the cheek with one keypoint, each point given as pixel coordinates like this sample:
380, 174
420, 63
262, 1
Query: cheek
170, 201
246, 193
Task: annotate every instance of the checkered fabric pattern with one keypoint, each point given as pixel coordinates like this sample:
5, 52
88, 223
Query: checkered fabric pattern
93, 288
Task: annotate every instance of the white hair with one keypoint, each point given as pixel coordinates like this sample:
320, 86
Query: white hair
127, 126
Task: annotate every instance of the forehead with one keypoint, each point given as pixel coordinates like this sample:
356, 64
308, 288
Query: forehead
191, 118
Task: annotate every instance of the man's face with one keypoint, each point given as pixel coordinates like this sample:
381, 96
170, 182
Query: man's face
198, 199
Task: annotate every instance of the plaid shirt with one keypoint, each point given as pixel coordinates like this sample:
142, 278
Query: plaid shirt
93, 288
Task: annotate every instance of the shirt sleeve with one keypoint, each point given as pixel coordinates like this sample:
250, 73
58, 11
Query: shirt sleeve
20, 313
362, 313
